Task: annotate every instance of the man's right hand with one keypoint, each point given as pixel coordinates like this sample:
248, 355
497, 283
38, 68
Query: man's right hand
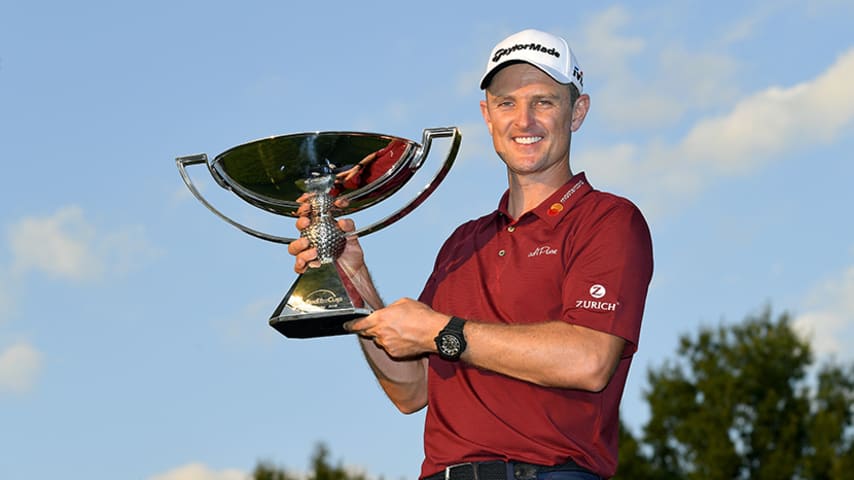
352, 259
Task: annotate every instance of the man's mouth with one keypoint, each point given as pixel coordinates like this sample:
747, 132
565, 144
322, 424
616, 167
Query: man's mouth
527, 140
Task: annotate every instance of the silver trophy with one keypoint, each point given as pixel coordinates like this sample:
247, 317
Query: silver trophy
336, 173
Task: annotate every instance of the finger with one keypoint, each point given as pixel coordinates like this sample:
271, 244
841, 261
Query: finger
298, 246
361, 324
342, 202
303, 223
347, 224
306, 259
360, 332
304, 210
299, 266
353, 326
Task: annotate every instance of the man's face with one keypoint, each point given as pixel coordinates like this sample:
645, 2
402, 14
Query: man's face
530, 118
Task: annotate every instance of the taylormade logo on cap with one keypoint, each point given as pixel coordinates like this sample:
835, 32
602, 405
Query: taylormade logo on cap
548, 52
531, 46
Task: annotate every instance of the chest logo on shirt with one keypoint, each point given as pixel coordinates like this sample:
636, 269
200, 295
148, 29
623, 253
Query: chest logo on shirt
544, 250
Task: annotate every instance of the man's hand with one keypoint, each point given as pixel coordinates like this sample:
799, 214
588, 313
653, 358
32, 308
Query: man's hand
351, 260
404, 329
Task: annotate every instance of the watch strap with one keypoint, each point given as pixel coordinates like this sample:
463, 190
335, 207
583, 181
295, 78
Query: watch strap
453, 333
455, 324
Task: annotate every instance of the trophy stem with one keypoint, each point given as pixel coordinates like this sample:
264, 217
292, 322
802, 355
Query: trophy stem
323, 232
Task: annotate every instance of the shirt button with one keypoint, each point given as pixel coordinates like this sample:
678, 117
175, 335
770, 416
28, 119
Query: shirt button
501, 253
511, 228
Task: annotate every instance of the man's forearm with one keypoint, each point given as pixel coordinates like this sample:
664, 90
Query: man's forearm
552, 354
403, 380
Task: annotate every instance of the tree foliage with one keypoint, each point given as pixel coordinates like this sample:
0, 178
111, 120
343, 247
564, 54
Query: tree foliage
321, 469
740, 403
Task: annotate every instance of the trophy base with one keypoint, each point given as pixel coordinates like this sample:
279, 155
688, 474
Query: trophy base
316, 325
318, 305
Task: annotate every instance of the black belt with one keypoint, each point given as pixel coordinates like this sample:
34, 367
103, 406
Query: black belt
498, 470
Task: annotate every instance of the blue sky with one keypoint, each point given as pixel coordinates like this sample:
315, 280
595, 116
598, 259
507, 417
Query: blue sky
133, 323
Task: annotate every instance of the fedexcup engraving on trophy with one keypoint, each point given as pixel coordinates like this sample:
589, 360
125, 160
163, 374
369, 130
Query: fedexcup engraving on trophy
335, 173
323, 298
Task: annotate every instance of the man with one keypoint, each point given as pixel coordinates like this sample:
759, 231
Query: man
521, 340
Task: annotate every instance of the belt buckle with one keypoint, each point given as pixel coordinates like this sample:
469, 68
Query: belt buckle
524, 471
450, 468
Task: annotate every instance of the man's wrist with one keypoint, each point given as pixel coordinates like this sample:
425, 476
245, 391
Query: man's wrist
451, 340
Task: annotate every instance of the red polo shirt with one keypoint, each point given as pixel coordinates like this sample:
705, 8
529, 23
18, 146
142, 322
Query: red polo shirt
582, 256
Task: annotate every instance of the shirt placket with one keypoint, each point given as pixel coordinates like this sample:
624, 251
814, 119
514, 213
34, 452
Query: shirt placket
504, 253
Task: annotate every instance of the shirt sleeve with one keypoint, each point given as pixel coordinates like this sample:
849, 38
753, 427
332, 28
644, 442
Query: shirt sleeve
608, 273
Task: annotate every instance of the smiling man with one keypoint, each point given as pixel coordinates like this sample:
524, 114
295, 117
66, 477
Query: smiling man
521, 341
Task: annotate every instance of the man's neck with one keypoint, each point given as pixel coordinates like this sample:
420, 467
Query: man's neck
528, 191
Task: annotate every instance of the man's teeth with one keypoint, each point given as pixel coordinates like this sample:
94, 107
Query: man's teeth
527, 140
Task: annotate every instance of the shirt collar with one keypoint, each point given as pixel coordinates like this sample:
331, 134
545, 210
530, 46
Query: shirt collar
555, 207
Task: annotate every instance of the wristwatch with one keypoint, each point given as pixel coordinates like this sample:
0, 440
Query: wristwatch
451, 343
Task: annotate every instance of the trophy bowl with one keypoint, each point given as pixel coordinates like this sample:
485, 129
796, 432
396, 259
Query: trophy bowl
335, 173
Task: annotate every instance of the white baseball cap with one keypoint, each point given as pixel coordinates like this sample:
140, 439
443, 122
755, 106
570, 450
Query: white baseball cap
548, 52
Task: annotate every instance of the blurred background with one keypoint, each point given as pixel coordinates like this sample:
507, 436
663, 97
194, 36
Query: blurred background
133, 323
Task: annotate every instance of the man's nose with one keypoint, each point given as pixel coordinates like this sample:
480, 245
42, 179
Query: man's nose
525, 117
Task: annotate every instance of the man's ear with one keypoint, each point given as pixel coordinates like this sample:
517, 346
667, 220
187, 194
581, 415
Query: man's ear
579, 111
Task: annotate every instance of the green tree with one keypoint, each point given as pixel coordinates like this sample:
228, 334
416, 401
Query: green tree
267, 471
830, 452
634, 464
739, 404
321, 469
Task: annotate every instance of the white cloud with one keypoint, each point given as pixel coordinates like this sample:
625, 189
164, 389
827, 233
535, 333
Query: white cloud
828, 320
762, 126
603, 47
635, 86
742, 29
745, 26
65, 245
20, 366
775, 120
59, 245
693, 80
197, 471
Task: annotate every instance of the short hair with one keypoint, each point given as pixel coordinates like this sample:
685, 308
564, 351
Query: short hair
573, 94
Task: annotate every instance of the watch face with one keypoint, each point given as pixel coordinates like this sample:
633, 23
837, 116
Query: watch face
450, 345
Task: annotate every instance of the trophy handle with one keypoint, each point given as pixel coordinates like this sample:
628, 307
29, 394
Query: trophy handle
418, 160
183, 162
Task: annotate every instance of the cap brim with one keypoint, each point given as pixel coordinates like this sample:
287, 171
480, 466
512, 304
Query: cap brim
556, 76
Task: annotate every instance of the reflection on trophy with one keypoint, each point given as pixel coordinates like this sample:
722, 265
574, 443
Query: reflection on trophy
336, 173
